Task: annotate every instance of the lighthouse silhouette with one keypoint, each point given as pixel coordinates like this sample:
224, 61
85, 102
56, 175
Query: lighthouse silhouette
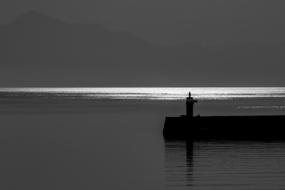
190, 101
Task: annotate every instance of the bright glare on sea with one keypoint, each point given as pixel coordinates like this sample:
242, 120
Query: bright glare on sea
208, 93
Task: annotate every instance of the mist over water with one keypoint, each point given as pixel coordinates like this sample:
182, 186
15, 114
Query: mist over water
111, 138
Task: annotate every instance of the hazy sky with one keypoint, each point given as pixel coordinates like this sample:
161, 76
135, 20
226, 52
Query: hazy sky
169, 21
252, 32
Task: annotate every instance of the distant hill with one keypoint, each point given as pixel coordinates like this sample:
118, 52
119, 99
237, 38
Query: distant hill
37, 50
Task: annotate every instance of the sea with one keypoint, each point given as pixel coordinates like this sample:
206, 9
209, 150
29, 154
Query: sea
111, 138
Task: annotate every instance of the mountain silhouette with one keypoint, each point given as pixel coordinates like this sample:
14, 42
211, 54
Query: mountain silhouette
38, 50
36, 18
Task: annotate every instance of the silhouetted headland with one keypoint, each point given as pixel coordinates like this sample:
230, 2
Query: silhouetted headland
257, 127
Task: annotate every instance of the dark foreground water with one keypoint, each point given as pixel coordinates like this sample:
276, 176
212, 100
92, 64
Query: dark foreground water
58, 143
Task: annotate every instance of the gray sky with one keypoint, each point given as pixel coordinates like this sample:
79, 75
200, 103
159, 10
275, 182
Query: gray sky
169, 21
37, 50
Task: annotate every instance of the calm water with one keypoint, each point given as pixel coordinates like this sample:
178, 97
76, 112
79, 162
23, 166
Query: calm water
112, 139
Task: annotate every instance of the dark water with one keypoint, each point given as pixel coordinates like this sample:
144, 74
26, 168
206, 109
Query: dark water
118, 144
225, 165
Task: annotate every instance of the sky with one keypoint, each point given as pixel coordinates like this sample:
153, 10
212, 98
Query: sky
169, 21
191, 43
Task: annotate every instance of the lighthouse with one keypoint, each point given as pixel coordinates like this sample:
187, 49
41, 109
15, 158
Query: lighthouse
190, 101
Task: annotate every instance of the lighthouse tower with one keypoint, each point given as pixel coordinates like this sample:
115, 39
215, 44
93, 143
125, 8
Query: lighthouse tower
190, 106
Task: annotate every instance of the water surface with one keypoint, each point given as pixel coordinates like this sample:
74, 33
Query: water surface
110, 138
